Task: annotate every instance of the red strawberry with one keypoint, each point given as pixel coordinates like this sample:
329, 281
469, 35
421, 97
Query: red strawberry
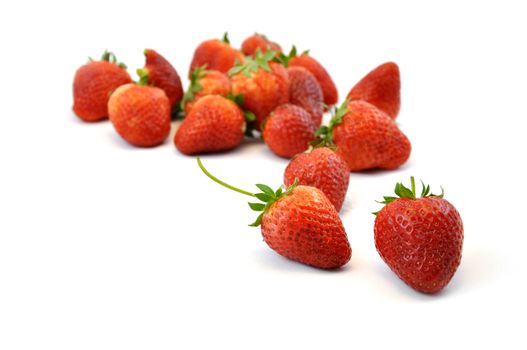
140, 114
259, 41
381, 87
329, 89
264, 85
217, 55
160, 73
202, 83
366, 137
93, 84
305, 92
322, 168
288, 130
420, 239
214, 124
299, 223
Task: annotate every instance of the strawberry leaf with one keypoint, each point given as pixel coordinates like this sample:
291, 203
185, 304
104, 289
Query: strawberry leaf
253, 64
403, 192
426, 189
257, 206
258, 220
263, 197
293, 51
109, 56
325, 133
409, 193
194, 87
284, 59
238, 99
238, 68
225, 38
323, 130
265, 189
388, 199
249, 116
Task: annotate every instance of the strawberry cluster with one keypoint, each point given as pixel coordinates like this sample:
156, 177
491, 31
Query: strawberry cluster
259, 91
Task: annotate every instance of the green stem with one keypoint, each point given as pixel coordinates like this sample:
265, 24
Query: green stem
143, 76
215, 179
412, 180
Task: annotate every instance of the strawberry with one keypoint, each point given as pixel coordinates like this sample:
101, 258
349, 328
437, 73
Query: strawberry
160, 73
288, 130
366, 137
305, 91
216, 54
381, 87
93, 84
329, 89
140, 114
202, 83
214, 124
264, 85
259, 41
420, 239
322, 168
299, 223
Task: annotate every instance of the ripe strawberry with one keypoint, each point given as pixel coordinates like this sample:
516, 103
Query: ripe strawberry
299, 223
217, 55
305, 91
259, 41
160, 73
329, 89
288, 130
140, 114
214, 124
381, 87
202, 83
420, 239
322, 168
264, 85
366, 137
93, 84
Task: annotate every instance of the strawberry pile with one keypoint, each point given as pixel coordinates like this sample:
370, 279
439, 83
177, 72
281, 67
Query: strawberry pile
261, 92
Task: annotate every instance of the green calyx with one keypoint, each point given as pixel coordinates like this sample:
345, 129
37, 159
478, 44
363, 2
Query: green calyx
110, 57
250, 117
402, 191
267, 196
253, 64
143, 76
284, 59
250, 123
324, 135
225, 38
194, 86
238, 99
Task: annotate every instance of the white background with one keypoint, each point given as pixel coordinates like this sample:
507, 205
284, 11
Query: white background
105, 246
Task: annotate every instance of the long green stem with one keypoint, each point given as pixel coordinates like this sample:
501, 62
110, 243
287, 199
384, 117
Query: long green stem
412, 180
215, 179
